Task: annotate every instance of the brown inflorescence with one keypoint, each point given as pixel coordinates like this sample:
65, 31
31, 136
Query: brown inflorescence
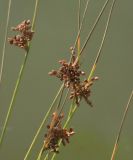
83, 90
56, 133
70, 74
26, 34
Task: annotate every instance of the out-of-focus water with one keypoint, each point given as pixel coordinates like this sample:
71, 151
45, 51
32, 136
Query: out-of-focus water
55, 32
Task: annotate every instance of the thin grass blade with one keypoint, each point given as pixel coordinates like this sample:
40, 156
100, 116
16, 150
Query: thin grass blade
103, 40
121, 127
94, 26
5, 38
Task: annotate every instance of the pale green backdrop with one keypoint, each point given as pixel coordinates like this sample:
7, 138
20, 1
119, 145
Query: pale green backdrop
55, 32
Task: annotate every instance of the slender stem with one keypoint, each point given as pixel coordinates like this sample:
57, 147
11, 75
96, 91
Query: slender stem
42, 124
13, 98
79, 12
81, 23
71, 108
103, 40
47, 156
62, 91
94, 26
18, 81
121, 127
71, 115
5, 38
63, 104
35, 14
40, 154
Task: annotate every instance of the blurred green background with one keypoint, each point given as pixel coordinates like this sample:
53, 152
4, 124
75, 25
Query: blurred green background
55, 32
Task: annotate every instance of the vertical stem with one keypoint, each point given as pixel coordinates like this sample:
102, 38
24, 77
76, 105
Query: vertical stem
121, 127
81, 23
5, 38
79, 12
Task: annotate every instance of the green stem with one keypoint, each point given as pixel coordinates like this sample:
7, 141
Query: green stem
103, 40
35, 14
121, 127
5, 38
13, 98
18, 80
46, 157
82, 21
42, 123
94, 26
70, 115
40, 154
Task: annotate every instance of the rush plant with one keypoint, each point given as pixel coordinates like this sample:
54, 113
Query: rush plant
75, 88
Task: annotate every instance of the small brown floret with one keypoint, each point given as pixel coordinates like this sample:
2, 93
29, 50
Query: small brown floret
56, 133
26, 35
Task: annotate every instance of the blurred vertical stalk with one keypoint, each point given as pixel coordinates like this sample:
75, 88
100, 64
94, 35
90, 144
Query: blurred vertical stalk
5, 38
81, 21
121, 127
79, 12
19, 78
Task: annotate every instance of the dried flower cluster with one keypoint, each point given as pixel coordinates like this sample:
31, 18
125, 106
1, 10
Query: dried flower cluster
56, 133
25, 35
83, 91
70, 74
